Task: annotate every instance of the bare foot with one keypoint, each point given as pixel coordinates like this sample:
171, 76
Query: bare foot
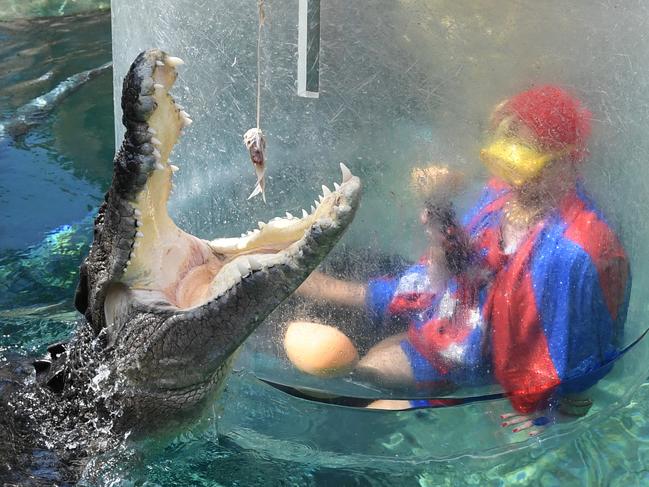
319, 349
389, 404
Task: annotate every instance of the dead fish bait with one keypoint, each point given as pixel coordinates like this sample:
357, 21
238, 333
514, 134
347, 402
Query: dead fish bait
256, 145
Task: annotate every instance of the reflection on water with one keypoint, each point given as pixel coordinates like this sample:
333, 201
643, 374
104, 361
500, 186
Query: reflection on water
55, 176
18, 9
613, 452
56, 173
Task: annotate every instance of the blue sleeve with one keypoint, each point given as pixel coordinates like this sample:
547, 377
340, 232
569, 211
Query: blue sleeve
576, 322
379, 294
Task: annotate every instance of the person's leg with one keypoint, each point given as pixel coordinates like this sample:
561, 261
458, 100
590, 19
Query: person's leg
395, 364
386, 364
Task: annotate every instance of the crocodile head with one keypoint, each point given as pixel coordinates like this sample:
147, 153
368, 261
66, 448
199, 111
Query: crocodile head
171, 307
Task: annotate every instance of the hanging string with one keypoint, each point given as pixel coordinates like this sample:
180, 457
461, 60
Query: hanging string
262, 19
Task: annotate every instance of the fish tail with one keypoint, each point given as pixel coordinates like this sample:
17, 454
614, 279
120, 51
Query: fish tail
259, 188
261, 183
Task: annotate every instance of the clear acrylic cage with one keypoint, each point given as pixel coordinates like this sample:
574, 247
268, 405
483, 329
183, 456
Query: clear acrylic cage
387, 87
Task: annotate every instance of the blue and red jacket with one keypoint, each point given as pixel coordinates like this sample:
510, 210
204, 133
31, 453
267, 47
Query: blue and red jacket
546, 318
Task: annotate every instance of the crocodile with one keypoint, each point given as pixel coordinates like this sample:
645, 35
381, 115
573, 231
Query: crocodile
36, 111
164, 312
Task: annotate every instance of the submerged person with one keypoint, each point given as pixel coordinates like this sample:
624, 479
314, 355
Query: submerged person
541, 305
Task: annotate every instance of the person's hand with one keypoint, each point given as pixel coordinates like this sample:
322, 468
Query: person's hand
533, 424
571, 405
436, 183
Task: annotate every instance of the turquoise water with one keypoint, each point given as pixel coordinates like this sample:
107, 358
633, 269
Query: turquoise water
51, 181
19, 9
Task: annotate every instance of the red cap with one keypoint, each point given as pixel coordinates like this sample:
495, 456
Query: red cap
558, 119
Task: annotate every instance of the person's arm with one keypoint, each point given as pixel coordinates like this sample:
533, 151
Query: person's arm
320, 286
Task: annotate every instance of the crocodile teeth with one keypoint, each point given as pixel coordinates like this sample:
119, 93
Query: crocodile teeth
135, 246
255, 264
174, 61
157, 154
174, 168
312, 208
158, 86
347, 174
261, 225
242, 266
159, 166
187, 121
325, 191
159, 63
137, 212
289, 216
152, 131
321, 198
155, 141
336, 186
304, 213
139, 235
138, 223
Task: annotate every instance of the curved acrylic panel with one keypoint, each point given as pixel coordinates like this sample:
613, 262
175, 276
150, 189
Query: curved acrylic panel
393, 89
282, 425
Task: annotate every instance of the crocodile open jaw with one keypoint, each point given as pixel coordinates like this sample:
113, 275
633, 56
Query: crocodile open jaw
169, 264
174, 307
